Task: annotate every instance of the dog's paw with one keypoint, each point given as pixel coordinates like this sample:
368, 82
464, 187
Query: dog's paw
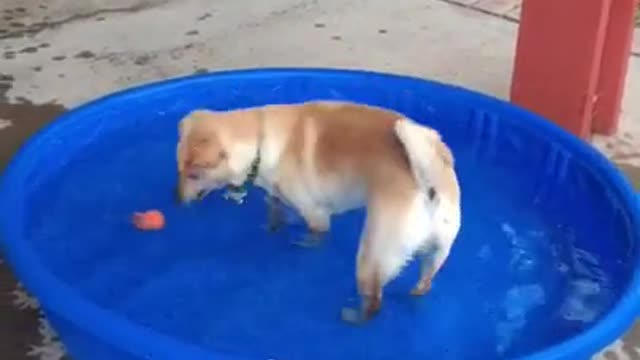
353, 316
273, 227
311, 239
357, 316
275, 223
420, 290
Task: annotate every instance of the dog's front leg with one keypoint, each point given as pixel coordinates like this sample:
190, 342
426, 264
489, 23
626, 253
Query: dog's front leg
318, 219
275, 213
318, 222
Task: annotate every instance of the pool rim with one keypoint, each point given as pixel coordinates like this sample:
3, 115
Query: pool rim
63, 301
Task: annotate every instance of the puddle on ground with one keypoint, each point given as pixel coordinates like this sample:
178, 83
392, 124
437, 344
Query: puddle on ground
22, 118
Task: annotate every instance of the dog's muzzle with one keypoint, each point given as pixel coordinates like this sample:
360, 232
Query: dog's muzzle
183, 198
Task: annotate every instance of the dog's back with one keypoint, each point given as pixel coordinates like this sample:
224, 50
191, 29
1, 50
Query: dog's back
354, 137
361, 146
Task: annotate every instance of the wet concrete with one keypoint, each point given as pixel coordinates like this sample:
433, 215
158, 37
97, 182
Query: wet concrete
22, 118
19, 327
27, 118
18, 121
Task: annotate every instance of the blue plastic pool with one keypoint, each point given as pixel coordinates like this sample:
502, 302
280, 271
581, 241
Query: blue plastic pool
546, 265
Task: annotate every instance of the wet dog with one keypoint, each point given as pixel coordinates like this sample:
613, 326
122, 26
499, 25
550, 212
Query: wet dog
324, 158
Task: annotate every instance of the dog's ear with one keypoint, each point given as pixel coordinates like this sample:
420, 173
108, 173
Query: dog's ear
204, 150
187, 123
197, 145
181, 150
184, 126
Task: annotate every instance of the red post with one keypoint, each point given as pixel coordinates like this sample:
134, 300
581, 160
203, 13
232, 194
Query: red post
558, 58
615, 62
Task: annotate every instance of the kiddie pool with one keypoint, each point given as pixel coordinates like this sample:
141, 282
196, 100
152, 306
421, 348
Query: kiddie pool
545, 266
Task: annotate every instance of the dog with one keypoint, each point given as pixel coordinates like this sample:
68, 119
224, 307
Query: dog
324, 158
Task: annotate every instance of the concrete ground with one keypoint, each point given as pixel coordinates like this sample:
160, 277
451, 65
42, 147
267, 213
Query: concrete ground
55, 54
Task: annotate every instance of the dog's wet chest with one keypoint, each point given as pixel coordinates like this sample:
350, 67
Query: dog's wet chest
332, 196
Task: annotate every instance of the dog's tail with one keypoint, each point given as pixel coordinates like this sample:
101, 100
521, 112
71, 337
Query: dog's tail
430, 158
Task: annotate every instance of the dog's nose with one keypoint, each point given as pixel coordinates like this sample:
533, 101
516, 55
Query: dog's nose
192, 172
182, 198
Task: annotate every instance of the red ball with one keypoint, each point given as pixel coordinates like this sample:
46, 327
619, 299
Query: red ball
149, 220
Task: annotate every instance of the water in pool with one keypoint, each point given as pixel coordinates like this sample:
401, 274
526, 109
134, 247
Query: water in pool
518, 279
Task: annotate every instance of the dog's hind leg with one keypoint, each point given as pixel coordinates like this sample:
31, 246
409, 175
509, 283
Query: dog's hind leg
388, 241
431, 262
370, 285
371, 281
446, 224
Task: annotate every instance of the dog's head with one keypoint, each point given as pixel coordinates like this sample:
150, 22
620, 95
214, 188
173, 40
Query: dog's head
214, 150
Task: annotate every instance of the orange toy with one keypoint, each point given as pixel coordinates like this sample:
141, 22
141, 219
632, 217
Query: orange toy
149, 220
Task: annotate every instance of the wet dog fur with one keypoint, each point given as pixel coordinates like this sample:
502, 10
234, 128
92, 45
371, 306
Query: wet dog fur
324, 158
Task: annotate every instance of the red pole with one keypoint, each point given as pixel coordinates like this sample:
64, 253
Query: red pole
615, 62
558, 58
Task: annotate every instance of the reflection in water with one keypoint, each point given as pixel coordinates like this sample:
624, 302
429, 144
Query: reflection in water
581, 303
517, 304
585, 291
519, 300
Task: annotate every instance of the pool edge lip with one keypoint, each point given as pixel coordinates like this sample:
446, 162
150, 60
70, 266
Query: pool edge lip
65, 302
